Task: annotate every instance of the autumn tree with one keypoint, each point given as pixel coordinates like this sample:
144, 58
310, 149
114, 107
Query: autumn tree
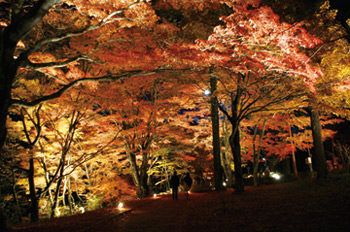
266, 66
48, 41
31, 124
145, 111
332, 87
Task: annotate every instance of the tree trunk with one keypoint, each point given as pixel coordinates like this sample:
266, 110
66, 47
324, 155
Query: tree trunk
5, 87
256, 156
216, 136
319, 157
226, 164
58, 186
225, 158
4, 106
21, 24
236, 150
134, 170
34, 216
144, 176
15, 196
295, 170
235, 141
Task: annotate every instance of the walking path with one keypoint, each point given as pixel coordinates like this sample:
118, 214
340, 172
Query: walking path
295, 206
155, 214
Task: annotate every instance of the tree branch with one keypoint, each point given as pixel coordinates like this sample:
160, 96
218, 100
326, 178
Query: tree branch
73, 83
103, 22
57, 64
125, 75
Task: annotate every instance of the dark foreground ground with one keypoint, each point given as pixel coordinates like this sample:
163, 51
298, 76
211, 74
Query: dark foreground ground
293, 206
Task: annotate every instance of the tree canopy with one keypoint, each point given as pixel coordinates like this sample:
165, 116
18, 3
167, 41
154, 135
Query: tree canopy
95, 91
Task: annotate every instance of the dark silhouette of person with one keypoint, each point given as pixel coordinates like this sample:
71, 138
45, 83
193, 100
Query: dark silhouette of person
174, 183
187, 184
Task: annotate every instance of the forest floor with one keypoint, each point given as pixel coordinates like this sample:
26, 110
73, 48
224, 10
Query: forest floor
302, 205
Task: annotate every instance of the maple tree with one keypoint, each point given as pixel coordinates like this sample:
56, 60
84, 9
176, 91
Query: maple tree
282, 134
50, 149
256, 58
331, 98
147, 113
48, 41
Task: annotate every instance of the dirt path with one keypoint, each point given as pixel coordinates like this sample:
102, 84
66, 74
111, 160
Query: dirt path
163, 214
296, 206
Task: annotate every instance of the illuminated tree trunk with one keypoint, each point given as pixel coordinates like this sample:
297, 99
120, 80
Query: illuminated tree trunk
139, 175
15, 196
69, 138
144, 175
216, 136
235, 141
256, 155
319, 157
255, 159
226, 157
34, 200
134, 169
236, 150
295, 170
58, 186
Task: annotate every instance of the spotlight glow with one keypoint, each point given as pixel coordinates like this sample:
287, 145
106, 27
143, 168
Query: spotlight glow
276, 176
120, 205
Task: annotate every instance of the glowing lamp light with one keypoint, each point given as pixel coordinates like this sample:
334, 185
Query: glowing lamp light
57, 212
120, 205
154, 195
276, 176
224, 184
206, 92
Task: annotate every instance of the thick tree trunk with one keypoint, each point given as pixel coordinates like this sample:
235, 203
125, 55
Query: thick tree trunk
216, 136
4, 106
22, 22
236, 150
144, 176
134, 170
139, 175
318, 157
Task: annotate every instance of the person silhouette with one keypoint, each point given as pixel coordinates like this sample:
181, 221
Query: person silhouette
174, 183
187, 183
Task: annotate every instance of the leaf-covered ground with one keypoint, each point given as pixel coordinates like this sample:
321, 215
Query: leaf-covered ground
293, 206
